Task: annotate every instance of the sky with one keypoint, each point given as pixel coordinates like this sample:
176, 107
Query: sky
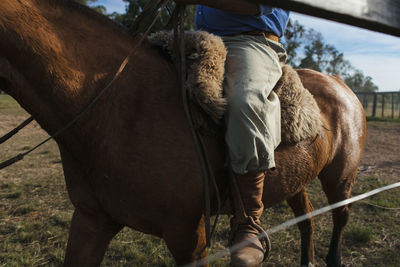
376, 54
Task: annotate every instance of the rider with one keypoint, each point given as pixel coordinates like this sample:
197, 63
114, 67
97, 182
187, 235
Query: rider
254, 65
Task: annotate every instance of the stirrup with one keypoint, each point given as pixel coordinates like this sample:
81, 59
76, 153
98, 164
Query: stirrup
262, 235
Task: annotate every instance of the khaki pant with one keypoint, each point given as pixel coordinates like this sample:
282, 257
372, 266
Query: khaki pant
253, 67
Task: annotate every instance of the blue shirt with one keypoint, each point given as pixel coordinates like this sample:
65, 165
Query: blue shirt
220, 22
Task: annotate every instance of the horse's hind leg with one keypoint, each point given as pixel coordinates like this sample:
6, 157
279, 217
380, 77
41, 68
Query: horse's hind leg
88, 239
301, 205
337, 185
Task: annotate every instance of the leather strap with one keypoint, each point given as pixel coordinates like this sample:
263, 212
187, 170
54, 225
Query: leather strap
15, 130
269, 35
206, 167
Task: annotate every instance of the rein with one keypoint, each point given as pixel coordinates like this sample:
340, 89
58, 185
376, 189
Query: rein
20, 156
208, 174
15, 130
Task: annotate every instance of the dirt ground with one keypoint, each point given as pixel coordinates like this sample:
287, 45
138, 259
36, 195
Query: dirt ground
382, 152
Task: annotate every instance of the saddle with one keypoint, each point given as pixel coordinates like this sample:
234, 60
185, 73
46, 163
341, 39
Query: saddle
205, 57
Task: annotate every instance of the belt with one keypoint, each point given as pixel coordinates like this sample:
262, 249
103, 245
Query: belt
269, 35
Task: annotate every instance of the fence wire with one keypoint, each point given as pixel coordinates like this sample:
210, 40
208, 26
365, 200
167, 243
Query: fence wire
294, 221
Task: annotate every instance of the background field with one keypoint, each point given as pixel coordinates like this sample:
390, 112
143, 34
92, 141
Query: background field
35, 211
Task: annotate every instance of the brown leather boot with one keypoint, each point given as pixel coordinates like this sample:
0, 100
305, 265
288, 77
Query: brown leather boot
246, 191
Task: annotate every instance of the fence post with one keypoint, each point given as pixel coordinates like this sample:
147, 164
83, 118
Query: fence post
398, 102
374, 106
392, 105
365, 102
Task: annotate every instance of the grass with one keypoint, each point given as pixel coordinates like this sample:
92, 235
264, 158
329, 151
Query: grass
388, 121
359, 234
387, 113
8, 106
35, 214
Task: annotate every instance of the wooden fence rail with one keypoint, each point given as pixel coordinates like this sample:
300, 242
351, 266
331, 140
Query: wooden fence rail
377, 15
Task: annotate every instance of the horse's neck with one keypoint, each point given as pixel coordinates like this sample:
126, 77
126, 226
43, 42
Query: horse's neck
67, 57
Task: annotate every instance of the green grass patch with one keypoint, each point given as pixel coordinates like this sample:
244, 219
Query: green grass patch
7, 186
30, 231
393, 258
367, 183
23, 210
9, 106
378, 121
390, 199
62, 220
359, 233
131, 248
14, 195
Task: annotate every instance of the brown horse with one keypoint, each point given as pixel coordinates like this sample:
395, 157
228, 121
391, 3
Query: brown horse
130, 161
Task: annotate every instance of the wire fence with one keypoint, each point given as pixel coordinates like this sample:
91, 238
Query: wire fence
212, 258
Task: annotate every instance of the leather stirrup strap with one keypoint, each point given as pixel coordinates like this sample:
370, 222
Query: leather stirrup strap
240, 212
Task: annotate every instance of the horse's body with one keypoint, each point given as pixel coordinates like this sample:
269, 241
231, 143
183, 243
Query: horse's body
130, 161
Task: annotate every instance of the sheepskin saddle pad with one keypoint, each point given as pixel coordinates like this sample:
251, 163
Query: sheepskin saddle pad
205, 57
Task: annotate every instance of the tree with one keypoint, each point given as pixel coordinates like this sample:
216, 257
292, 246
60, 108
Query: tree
135, 7
84, 2
306, 48
338, 65
292, 40
358, 82
99, 8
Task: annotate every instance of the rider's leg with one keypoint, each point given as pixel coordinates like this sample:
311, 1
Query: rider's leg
253, 68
